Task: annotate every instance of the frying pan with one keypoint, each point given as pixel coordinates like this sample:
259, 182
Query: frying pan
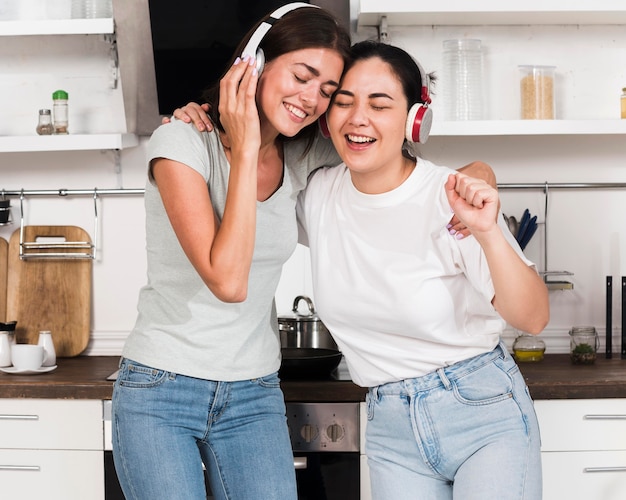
308, 363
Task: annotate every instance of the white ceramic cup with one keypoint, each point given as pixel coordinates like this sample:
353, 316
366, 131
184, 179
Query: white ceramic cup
27, 356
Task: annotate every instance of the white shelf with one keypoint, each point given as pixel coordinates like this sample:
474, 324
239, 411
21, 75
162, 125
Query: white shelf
70, 142
57, 27
490, 12
528, 127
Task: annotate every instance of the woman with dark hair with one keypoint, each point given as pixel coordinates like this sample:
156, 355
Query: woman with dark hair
449, 414
198, 378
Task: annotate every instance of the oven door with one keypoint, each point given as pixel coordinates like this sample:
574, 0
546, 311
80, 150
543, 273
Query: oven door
328, 475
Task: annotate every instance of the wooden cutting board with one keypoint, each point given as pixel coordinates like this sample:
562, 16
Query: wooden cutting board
51, 294
4, 249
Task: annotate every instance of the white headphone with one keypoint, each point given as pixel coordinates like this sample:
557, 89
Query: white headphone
252, 47
419, 119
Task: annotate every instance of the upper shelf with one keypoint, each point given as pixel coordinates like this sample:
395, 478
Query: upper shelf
528, 127
488, 12
57, 27
70, 142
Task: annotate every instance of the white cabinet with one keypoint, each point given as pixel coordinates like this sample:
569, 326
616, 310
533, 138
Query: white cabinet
33, 34
583, 39
583, 448
51, 449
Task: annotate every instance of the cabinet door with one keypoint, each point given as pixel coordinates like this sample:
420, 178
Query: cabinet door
51, 424
52, 475
584, 475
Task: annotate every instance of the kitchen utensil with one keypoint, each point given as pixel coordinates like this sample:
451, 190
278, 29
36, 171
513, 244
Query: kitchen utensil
4, 252
309, 363
51, 294
531, 228
304, 330
511, 221
609, 317
523, 225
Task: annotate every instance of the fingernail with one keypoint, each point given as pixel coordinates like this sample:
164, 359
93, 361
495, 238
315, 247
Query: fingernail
448, 226
246, 57
237, 61
452, 231
254, 72
459, 236
252, 61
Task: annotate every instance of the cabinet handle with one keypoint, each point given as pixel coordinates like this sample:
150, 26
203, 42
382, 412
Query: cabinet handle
19, 417
35, 468
299, 463
604, 469
604, 417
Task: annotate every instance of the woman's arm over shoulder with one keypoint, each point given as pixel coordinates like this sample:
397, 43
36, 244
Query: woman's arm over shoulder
480, 170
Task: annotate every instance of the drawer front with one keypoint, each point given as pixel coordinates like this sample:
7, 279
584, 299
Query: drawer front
584, 475
51, 424
52, 475
582, 424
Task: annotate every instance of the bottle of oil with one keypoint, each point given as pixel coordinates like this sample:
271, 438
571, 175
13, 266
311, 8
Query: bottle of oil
528, 348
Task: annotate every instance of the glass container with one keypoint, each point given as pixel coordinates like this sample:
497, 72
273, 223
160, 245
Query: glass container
623, 103
59, 108
584, 344
44, 125
462, 81
537, 92
528, 348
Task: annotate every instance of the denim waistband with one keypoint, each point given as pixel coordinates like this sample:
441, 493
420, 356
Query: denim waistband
442, 376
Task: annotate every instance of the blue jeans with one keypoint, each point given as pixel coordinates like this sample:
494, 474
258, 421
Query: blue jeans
165, 426
466, 431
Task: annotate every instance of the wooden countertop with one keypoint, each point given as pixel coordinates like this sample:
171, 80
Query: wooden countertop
84, 377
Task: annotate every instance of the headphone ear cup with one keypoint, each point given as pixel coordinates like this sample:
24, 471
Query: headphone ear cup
260, 61
418, 123
322, 121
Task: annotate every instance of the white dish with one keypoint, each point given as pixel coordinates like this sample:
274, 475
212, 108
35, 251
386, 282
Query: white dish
15, 371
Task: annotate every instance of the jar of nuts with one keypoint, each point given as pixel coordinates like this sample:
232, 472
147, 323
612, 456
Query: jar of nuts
537, 92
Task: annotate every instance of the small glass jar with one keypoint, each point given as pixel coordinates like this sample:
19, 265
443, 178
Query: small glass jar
584, 344
623, 103
537, 92
44, 126
528, 348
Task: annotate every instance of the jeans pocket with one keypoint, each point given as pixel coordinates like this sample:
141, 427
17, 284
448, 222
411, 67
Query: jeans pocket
488, 384
271, 381
370, 402
136, 375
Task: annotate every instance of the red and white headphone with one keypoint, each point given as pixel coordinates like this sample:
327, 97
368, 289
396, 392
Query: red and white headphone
419, 120
252, 47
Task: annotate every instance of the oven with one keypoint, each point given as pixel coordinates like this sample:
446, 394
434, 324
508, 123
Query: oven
326, 442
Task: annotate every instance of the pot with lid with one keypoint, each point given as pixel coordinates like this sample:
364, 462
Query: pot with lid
307, 347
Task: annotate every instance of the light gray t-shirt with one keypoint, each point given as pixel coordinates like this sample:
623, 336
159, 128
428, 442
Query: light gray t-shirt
181, 326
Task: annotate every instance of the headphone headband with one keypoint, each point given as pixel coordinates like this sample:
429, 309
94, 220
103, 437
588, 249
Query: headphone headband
252, 46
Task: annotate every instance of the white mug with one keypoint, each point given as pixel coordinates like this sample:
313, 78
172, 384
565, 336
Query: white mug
27, 356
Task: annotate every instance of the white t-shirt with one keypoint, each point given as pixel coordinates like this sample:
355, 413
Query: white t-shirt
401, 296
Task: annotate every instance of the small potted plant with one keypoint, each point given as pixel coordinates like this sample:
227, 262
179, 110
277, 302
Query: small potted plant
583, 354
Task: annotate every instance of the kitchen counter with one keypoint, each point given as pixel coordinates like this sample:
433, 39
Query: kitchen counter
84, 377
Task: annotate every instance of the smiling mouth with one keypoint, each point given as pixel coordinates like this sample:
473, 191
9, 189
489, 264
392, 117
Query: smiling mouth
359, 139
296, 111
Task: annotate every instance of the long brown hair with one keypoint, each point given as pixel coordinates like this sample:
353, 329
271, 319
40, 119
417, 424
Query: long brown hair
299, 29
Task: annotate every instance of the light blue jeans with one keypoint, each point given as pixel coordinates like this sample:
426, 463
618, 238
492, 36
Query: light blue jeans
166, 425
467, 431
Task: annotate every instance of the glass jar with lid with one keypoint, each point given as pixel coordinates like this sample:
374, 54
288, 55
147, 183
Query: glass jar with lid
584, 344
528, 348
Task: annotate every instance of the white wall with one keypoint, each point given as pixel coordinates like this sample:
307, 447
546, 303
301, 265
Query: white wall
586, 229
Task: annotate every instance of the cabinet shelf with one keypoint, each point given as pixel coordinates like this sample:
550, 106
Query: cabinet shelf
489, 12
528, 127
70, 142
57, 27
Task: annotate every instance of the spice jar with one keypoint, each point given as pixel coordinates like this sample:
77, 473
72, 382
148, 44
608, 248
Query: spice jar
623, 102
44, 126
60, 111
537, 92
584, 344
45, 340
528, 348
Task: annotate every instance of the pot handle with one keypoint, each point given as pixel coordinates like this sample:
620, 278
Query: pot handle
308, 301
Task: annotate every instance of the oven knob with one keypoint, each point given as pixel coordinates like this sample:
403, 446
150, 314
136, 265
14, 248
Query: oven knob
334, 432
308, 432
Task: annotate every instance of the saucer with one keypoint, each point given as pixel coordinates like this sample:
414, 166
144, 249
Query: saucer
15, 371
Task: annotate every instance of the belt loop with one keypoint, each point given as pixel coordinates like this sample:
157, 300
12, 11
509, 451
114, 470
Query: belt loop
444, 379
